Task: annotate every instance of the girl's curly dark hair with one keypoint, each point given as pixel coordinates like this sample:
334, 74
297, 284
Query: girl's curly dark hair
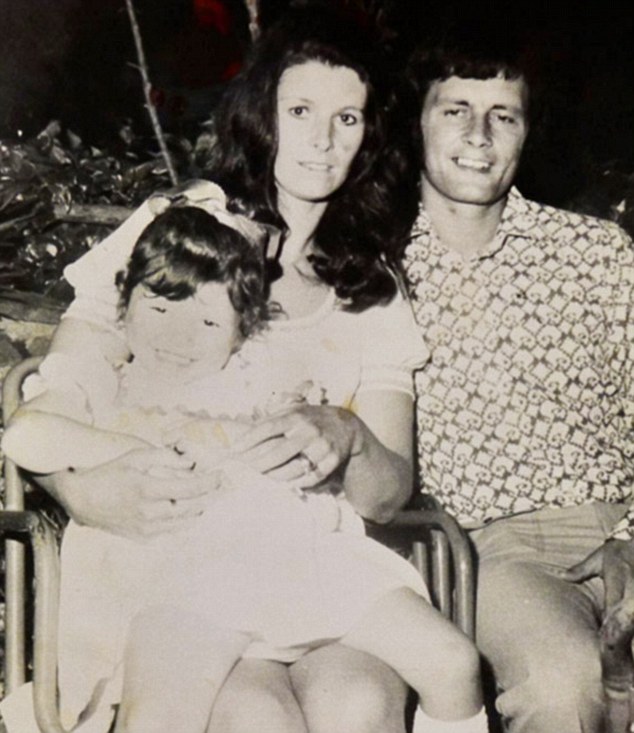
355, 239
185, 247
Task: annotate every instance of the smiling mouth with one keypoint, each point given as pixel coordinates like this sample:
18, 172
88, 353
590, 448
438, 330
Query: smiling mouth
316, 167
481, 166
172, 358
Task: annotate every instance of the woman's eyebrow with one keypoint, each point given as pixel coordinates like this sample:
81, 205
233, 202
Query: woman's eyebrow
295, 97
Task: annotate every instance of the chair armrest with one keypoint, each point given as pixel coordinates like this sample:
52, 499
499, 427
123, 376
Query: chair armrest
417, 525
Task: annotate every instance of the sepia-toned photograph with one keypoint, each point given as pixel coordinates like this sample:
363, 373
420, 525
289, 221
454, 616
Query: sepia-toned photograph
317, 366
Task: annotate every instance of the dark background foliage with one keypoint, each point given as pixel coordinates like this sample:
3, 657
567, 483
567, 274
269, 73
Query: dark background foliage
70, 61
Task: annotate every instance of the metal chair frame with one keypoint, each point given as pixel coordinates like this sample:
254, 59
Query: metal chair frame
441, 552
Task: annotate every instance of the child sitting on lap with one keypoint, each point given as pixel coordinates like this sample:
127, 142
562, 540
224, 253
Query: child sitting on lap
270, 569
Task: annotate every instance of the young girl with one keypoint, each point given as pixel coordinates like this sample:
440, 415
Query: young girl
271, 568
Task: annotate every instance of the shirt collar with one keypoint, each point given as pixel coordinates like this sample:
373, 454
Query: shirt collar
518, 220
518, 217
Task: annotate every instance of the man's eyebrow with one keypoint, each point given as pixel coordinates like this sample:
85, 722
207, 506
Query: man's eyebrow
508, 107
466, 103
453, 100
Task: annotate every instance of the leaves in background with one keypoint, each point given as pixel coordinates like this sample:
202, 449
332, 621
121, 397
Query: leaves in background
54, 172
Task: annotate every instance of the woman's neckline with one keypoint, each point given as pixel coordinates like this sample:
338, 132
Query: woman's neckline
327, 305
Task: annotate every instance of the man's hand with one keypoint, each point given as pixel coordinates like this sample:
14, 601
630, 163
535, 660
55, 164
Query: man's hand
614, 562
138, 495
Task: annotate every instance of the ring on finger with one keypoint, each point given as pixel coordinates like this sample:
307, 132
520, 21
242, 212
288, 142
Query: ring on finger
308, 465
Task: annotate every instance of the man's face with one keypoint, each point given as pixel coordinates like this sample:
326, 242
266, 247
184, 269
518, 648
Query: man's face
473, 133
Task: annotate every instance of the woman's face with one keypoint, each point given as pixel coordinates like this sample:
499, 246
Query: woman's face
320, 119
185, 338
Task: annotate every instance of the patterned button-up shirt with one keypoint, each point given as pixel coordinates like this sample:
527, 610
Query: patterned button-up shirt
528, 398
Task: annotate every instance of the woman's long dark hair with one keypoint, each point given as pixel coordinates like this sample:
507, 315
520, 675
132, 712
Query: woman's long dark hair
356, 237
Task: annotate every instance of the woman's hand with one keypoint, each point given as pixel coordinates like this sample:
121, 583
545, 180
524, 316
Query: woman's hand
303, 445
307, 444
138, 495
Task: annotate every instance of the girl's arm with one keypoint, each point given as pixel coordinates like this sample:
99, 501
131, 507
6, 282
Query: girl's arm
143, 491
45, 436
104, 479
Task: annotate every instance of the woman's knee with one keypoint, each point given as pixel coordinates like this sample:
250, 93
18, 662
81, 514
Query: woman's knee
368, 708
341, 690
362, 707
257, 696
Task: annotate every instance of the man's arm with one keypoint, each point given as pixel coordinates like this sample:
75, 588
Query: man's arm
614, 560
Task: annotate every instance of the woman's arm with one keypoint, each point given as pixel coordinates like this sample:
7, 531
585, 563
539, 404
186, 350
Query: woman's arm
381, 475
107, 480
139, 494
371, 447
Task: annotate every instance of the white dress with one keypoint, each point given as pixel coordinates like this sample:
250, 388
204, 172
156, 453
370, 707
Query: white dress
294, 569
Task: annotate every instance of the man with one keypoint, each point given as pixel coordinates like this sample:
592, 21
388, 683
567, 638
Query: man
526, 407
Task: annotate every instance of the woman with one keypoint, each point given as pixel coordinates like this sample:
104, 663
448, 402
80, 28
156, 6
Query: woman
301, 132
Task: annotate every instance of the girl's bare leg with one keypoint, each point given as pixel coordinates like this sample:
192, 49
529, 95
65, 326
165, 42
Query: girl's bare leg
342, 690
428, 652
174, 666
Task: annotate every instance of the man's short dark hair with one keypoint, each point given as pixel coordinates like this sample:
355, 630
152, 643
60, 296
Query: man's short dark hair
469, 54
